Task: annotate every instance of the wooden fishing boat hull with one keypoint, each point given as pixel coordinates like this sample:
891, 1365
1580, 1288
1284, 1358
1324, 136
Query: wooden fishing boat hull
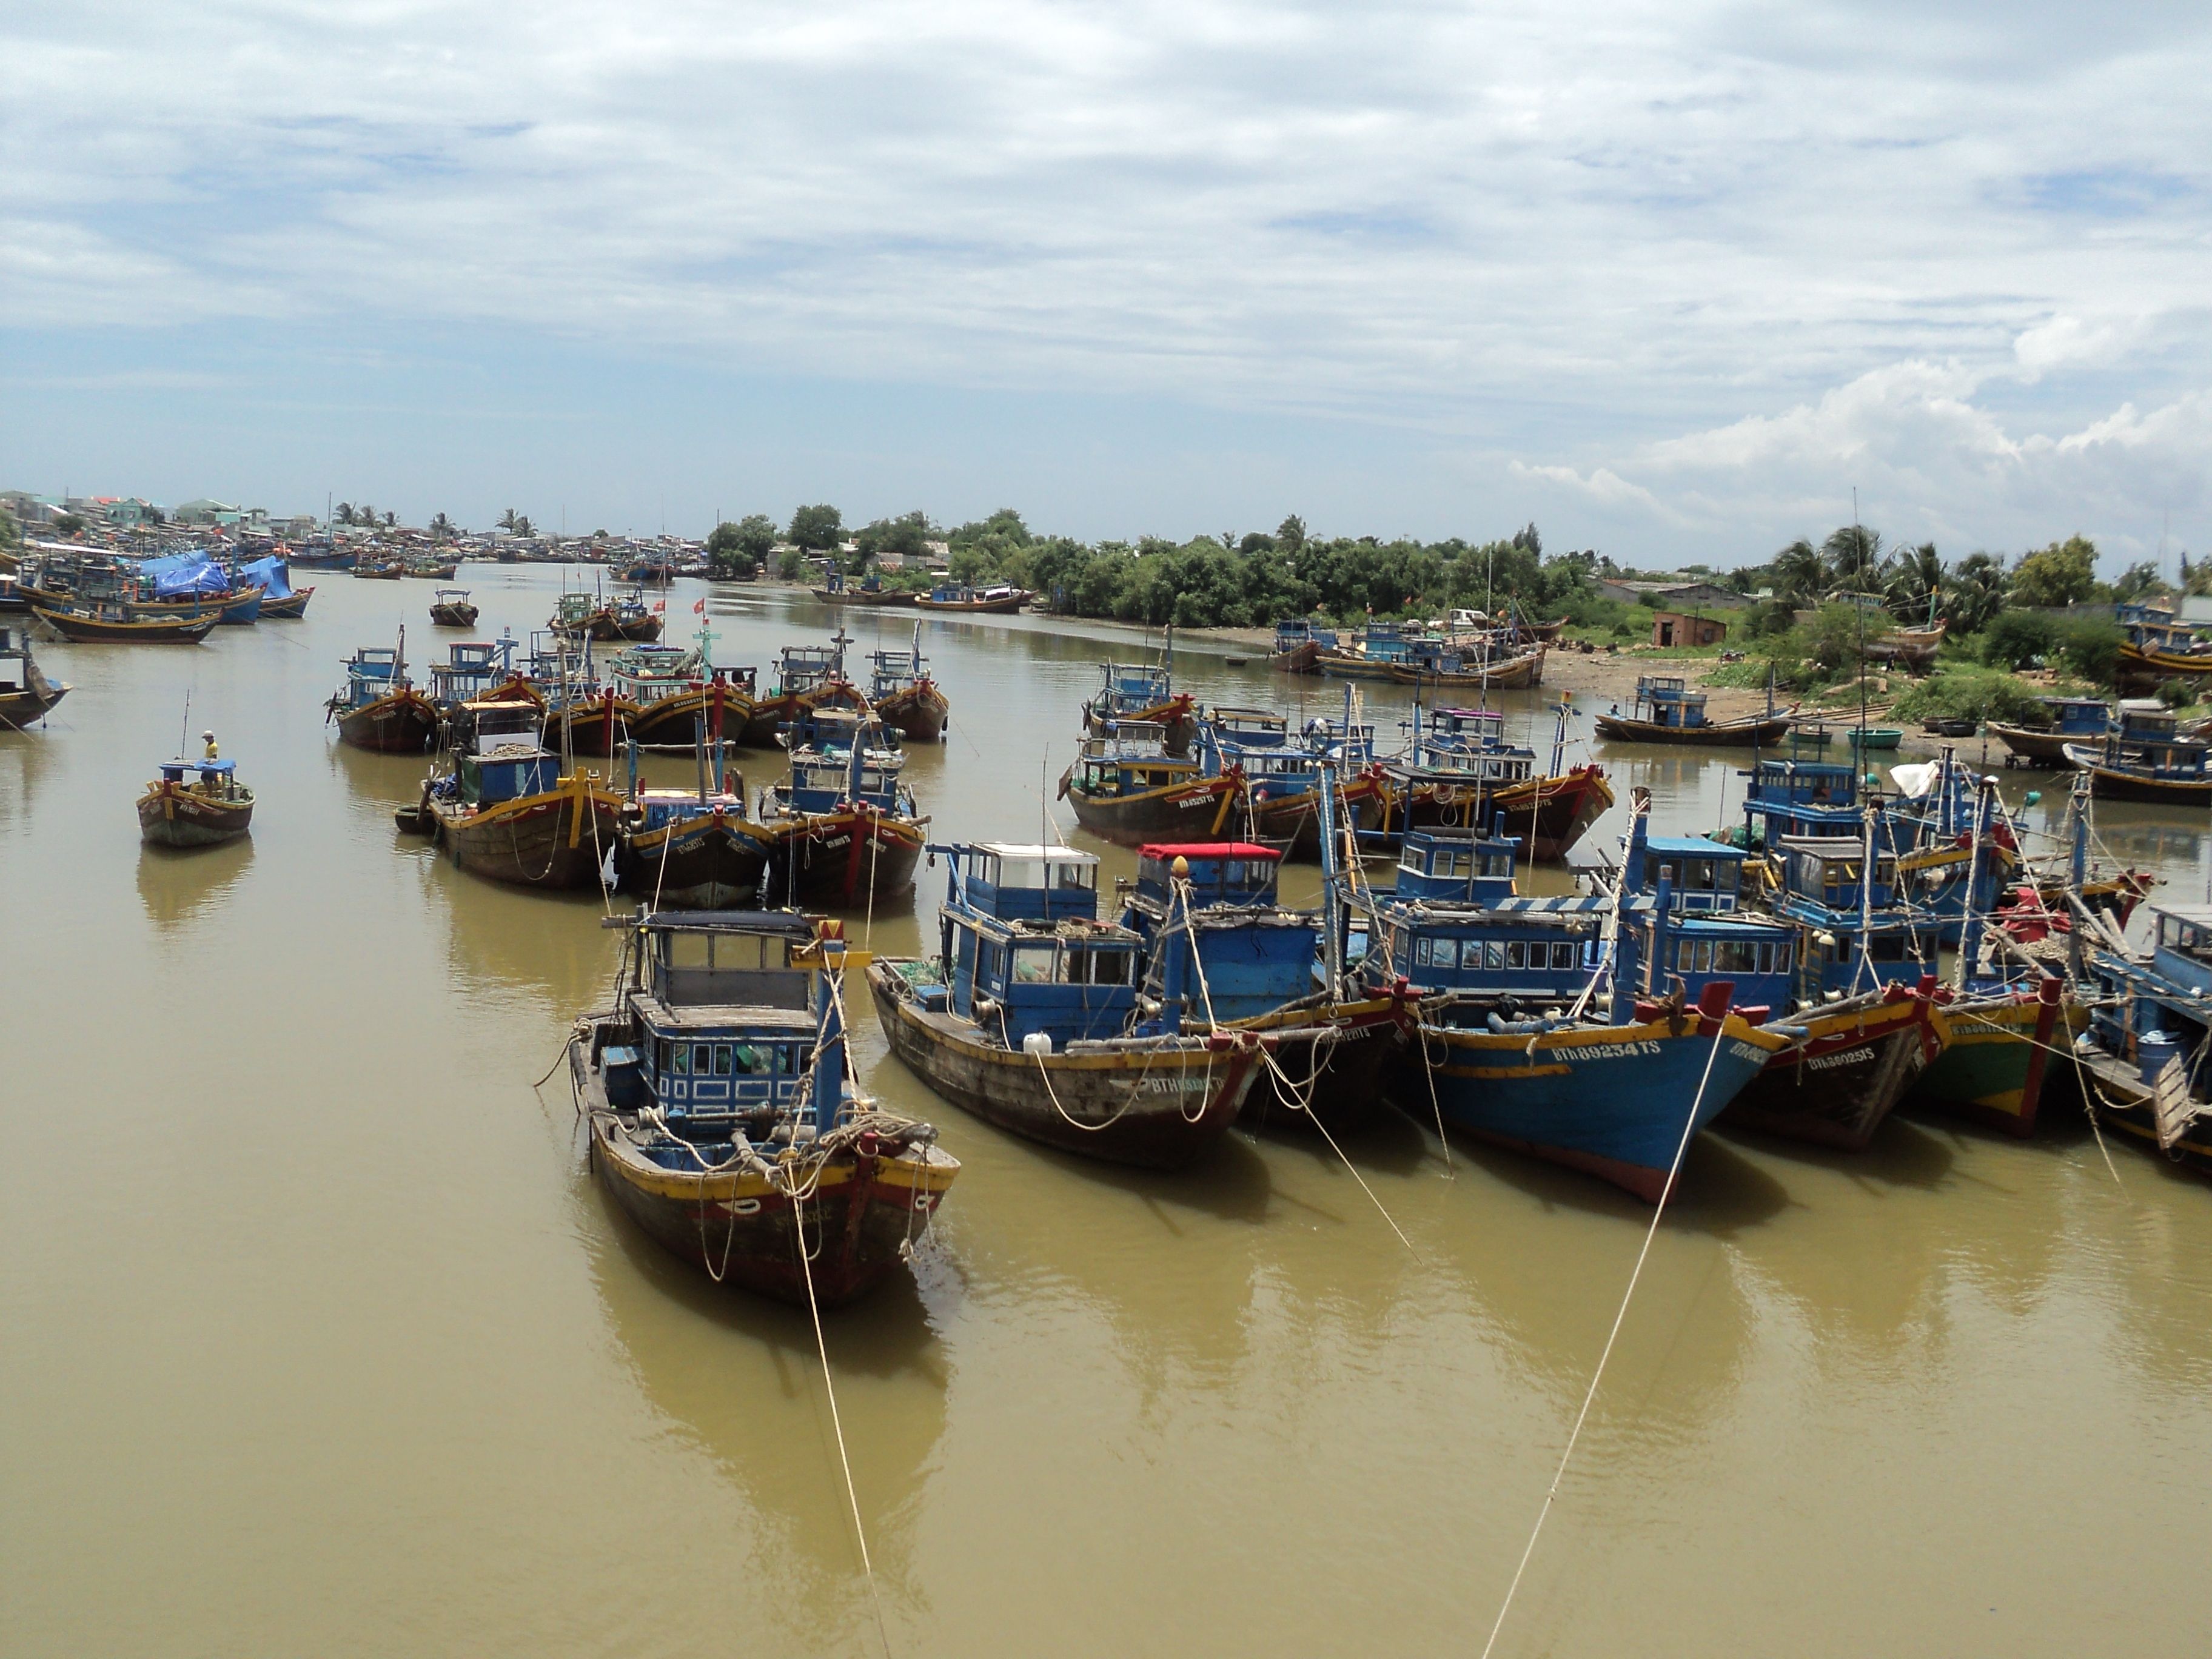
2043, 748
1836, 1086
455, 616
889, 598
403, 723
1298, 659
1203, 809
377, 573
593, 726
291, 608
1544, 816
31, 705
713, 862
2125, 783
555, 840
1158, 1104
1612, 1101
998, 607
1513, 674
841, 859
2118, 1098
435, 572
92, 630
856, 1215
2138, 667
1343, 666
1755, 732
771, 714
918, 712
637, 630
672, 722
1997, 1057
1293, 822
1329, 1061
170, 816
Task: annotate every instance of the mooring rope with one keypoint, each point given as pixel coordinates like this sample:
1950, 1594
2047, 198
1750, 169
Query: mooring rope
1658, 1210
1290, 1095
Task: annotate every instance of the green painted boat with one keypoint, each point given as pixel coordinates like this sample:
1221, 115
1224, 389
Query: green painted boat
1876, 737
1997, 1054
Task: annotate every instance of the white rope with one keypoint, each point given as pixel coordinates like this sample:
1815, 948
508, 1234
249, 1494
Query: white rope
1290, 1095
1658, 1210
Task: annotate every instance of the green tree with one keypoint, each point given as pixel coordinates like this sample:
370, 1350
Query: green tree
11, 533
342, 513
904, 537
1291, 534
1853, 554
1799, 571
736, 551
816, 529
2014, 639
1913, 576
68, 524
2064, 572
2090, 646
523, 527
2141, 580
441, 528
1976, 593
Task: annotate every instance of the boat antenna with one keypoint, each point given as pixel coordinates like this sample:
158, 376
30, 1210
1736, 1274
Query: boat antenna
184, 737
1858, 557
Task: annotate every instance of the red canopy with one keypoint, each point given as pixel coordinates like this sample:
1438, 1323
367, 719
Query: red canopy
1207, 849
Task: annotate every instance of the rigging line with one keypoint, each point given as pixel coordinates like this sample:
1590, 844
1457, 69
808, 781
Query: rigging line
1313, 1118
1658, 1211
837, 1423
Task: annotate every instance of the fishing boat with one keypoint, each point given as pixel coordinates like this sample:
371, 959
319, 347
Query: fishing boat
378, 570
1514, 1044
195, 804
723, 1118
379, 708
810, 678
1277, 797
27, 696
960, 597
2158, 647
629, 617
1475, 667
904, 697
432, 569
505, 810
110, 623
1126, 787
2141, 1059
1250, 964
1029, 1016
1142, 694
1299, 645
692, 849
1458, 771
450, 608
2145, 758
1950, 725
1913, 648
1667, 710
280, 600
674, 696
1874, 736
2072, 720
579, 615
842, 829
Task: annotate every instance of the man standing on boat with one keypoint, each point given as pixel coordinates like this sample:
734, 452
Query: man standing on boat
208, 738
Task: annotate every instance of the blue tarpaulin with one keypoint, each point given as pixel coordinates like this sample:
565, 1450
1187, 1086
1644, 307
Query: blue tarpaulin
184, 572
271, 576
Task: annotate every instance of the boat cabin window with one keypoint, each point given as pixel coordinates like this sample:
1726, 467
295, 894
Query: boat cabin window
1033, 874
1690, 875
2188, 939
1732, 956
1089, 965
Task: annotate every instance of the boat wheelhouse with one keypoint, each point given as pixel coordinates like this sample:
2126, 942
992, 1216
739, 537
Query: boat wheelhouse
1127, 787
721, 1109
2143, 1054
1026, 1016
1144, 695
505, 809
843, 827
378, 708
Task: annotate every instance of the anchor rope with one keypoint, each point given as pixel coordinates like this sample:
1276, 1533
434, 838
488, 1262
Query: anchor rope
1658, 1211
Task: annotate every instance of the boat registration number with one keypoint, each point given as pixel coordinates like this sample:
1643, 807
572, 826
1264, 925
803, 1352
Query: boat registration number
1849, 1057
1175, 1085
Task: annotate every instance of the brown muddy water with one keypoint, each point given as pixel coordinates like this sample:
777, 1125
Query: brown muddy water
316, 1337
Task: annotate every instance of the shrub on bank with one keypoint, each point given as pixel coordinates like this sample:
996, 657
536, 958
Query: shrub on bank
1968, 692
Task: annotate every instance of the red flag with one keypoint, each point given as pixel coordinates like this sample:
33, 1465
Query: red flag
699, 605
660, 604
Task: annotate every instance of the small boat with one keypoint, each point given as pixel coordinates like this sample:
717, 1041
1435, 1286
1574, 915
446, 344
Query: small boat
1029, 1017
378, 708
195, 804
842, 830
1459, 772
450, 608
1298, 647
722, 1115
431, 569
2158, 648
904, 697
1945, 726
691, 849
1874, 736
506, 811
280, 600
1666, 710
1278, 796
810, 678
1473, 671
2073, 720
1237, 662
629, 618
1126, 787
872, 592
676, 699
1913, 648
27, 696
113, 624
976, 601
2145, 758
2143, 1057
380, 570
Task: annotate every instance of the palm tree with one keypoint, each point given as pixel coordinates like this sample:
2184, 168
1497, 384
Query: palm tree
365, 515
507, 520
441, 528
390, 520
1976, 593
1854, 554
1798, 571
1912, 577
343, 513
521, 525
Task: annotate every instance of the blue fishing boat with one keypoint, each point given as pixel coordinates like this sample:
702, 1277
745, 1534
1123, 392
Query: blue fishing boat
1531, 1031
691, 849
1248, 963
1457, 771
904, 696
2068, 720
505, 807
2146, 758
723, 1117
2159, 647
1030, 1015
1127, 787
1136, 694
378, 706
1299, 646
843, 827
2143, 1057
1278, 795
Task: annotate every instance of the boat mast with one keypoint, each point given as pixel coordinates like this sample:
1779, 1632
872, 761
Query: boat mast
1970, 932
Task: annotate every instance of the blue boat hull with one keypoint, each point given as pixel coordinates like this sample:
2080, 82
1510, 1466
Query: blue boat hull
1609, 1101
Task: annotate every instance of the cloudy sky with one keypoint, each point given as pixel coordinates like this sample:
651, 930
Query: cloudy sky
1670, 280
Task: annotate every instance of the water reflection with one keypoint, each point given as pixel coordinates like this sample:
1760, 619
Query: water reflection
177, 886
550, 945
741, 1378
26, 760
